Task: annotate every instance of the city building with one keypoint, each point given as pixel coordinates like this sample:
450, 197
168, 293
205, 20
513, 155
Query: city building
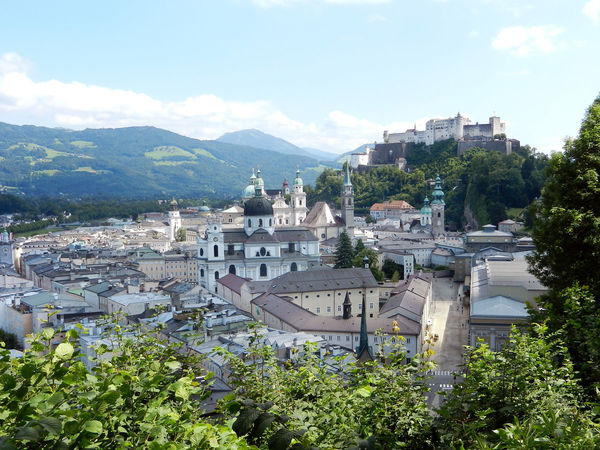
258, 251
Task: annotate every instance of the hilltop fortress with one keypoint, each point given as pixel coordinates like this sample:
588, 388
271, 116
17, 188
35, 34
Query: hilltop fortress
393, 150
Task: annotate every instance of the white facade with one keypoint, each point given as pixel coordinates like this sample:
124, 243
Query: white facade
458, 127
259, 253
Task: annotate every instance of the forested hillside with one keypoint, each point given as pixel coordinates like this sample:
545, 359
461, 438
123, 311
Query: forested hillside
135, 162
481, 186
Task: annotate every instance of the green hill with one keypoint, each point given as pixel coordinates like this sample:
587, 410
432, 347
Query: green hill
135, 162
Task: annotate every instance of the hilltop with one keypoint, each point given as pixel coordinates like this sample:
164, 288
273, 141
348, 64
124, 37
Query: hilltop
135, 162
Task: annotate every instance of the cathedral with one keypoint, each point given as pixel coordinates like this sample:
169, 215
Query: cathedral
285, 214
259, 251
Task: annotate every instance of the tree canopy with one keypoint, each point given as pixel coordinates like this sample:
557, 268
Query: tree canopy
567, 237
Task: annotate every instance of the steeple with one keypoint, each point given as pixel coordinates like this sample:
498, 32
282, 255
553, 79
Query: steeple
437, 209
348, 202
438, 194
347, 307
364, 353
347, 181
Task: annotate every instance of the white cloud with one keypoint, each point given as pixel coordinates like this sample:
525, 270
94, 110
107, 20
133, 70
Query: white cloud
522, 41
592, 10
78, 105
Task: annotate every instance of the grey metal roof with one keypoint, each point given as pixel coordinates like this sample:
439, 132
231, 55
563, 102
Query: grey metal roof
232, 282
234, 235
302, 320
497, 307
322, 280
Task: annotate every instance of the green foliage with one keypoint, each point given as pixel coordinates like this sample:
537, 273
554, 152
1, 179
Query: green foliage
122, 162
359, 247
390, 267
181, 235
358, 261
306, 402
486, 183
567, 237
10, 340
140, 396
529, 376
369, 219
343, 252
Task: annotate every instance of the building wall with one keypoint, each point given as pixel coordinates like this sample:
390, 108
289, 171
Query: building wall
16, 322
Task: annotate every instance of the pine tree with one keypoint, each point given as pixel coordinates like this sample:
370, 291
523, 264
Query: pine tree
359, 247
343, 252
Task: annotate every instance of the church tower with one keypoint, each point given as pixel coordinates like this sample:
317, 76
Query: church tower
174, 220
6, 248
437, 209
298, 200
348, 203
426, 213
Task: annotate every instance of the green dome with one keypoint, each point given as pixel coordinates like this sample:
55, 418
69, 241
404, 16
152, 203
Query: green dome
426, 209
298, 180
248, 191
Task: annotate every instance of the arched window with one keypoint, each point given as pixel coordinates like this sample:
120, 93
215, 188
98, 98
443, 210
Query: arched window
300, 202
202, 273
201, 252
216, 275
263, 270
249, 223
260, 223
280, 221
294, 267
270, 222
439, 215
216, 250
263, 251
232, 269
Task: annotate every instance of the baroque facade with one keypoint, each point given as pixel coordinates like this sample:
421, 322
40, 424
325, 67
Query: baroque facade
259, 251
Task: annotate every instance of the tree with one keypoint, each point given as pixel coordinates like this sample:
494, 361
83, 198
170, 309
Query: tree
390, 267
181, 235
49, 399
369, 219
566, 234
343, 252
358, 261
530, 375
359, 247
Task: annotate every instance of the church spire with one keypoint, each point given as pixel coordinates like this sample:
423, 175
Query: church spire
364, 352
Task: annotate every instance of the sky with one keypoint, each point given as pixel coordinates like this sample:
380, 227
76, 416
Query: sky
327, 74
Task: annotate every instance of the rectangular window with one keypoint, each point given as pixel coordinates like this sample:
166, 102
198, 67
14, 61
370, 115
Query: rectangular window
291, 246
339, 308
371, 305
408, 340
347, 338
339, 338
230, 249
329, 309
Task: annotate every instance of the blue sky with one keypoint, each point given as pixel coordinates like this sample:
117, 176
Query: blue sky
330, 74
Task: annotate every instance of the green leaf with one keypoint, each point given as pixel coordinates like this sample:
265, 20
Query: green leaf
281, 439
51, 425
48, 333
28, 370
27, 434
93, 426
262, 423
5, 443
364, 391
245, 421
64, 350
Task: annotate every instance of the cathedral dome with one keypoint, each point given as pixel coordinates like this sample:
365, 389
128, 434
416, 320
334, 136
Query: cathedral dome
248, 191
258, 206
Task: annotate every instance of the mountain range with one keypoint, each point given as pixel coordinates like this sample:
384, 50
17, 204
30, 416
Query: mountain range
137, 162
258, 139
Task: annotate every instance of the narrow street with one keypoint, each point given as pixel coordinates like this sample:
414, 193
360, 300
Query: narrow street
450, 322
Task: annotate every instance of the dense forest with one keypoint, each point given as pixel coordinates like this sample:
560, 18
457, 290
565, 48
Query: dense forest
481, 186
